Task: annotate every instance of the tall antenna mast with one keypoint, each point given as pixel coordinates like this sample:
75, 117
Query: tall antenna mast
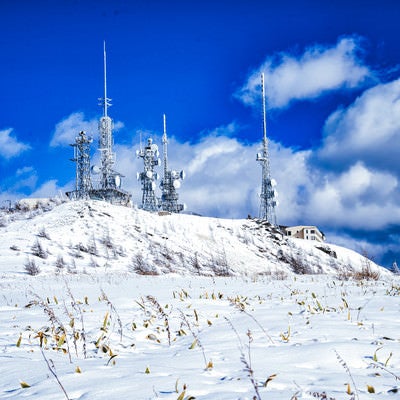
105, 79
264, 112
105, 101
165, 144
108, 186
268, 194
171, 180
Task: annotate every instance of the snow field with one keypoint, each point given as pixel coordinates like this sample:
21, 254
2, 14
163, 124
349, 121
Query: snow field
315, 333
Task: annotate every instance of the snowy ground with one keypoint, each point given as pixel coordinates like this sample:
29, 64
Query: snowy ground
106, 339
89, 327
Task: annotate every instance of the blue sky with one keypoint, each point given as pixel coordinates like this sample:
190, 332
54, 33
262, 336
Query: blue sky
333, 98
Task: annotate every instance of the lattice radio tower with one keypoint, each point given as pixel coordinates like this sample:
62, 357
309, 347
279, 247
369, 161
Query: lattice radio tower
83, 183
110, 181
171, 180
268, 193
148, 177
107, 159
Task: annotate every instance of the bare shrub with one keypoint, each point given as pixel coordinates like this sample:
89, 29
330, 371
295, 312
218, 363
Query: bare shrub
92, 247
106, 240
367, 274
195, 263
296, 259
38, 250
81, 247
141, 267
280, 275
219, 265
345, 275
60, 263
71, 269
94, 263
298, 265
31, 268
43, 234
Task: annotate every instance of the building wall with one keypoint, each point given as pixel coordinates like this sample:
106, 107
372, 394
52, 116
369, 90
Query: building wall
305, 232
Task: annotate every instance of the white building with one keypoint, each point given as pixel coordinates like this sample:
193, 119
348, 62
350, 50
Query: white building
305, 232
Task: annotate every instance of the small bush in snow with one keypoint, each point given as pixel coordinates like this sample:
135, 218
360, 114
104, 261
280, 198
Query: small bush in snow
366, 273
60, 263
141, 267
43, 234
107, 241
195, 263
31, 268
71, 269
92, 247
38, 250
94, 263
219, 265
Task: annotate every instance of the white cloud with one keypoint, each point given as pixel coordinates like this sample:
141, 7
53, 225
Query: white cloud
66, 131
224, 179
368, 130
356, 199
24, 170
318, 70
212, 148
222, 173
9, 146
48, 189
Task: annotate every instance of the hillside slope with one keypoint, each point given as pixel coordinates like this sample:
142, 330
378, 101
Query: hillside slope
86, 236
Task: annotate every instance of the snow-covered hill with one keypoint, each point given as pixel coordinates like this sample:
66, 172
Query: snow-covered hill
86, 236
89, 327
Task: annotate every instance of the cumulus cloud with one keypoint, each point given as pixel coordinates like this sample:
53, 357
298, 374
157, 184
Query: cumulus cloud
49, 189
358, 198
10, 146
318, 70
369, 129
224, 179
66, 131
214, 167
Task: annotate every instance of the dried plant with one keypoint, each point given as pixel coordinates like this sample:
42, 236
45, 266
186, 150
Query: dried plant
161, 312
43, 234
52, 369
31, 268
346, 367
38, 250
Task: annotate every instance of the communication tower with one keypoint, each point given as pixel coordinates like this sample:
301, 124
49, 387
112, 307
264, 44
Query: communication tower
83, 184
171, 180
268, 194
109, 185
148, 177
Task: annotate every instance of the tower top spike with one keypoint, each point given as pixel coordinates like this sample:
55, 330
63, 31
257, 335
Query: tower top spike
165, 150
165, 127
264, 108
105, 101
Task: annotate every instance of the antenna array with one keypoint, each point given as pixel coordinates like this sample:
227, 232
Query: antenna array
83, 184
109, 185
148, 177
268, 193
170, 181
